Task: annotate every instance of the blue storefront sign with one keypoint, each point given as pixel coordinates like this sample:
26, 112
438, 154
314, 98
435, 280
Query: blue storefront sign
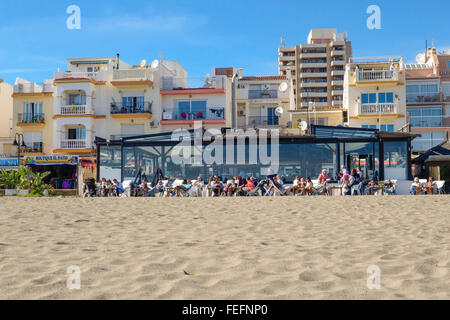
8, 163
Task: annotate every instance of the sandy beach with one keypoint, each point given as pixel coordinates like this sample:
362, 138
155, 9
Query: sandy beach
225, 248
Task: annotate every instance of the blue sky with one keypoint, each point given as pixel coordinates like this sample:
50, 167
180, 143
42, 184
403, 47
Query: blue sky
201, 34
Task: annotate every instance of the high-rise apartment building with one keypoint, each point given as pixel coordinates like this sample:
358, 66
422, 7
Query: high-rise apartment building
317, 71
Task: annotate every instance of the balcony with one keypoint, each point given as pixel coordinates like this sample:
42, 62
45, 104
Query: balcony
313, 94
427, 121
126, 110
262, 121
313, 74
376, 75
377, 108
313, 65
336, 63
337, 92
313, 84
305, 55
80, 76
423, 97
337, 103
318, 104
33, 88
335, 53
287, 58
337, 72
337, 82
30, 119
32, 148
132, 77
73, 109
262, 94
73, 144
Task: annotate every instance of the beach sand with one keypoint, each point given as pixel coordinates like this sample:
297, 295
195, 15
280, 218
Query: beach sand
226, 248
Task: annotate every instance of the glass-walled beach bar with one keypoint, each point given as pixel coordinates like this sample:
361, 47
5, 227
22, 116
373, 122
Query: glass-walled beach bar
380, 155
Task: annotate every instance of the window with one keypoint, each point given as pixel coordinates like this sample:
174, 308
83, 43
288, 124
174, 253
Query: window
427, 140
448, 64
191, 110
76, 133
133, 104
76, 99
383, 97
93, 69
425, 117
33, 112
387, 127
33, 141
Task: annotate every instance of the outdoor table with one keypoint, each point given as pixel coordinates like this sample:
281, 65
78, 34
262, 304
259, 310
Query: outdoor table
332, 188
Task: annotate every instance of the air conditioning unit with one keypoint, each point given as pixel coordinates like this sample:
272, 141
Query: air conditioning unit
153, 124
167, 115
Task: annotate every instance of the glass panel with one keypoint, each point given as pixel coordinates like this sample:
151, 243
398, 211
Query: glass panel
372, 98
395, 158
110, 162
364, 98
390, 97
198, 109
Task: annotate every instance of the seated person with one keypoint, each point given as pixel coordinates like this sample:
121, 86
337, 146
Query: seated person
323, 179
431, 186
159, 187
415, 187
389, 187
145, 188
249, 186
184, 188
309, 186
117, 188
197, 187
371, 187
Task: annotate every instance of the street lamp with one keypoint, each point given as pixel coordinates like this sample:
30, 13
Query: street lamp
310, 107
19, 143
234, 79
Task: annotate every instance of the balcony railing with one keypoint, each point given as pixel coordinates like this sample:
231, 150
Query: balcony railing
33, 147
29, 118
376, 108
133, 75
262, 94
73, 144
376, 75
423, 97
73, 109
33, 88
263, 121
124, 108
97, 76
427, 121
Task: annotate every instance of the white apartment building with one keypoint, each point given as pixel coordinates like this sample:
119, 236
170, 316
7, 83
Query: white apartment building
318, 68
110, 99
6, 114
374, 93
258, 99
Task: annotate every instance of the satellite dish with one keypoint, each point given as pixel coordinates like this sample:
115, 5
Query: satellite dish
279, 111
283, 87
155, 64
143, 63
303, 125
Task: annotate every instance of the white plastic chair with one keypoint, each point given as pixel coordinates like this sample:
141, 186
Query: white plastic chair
357, 188
440, 187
